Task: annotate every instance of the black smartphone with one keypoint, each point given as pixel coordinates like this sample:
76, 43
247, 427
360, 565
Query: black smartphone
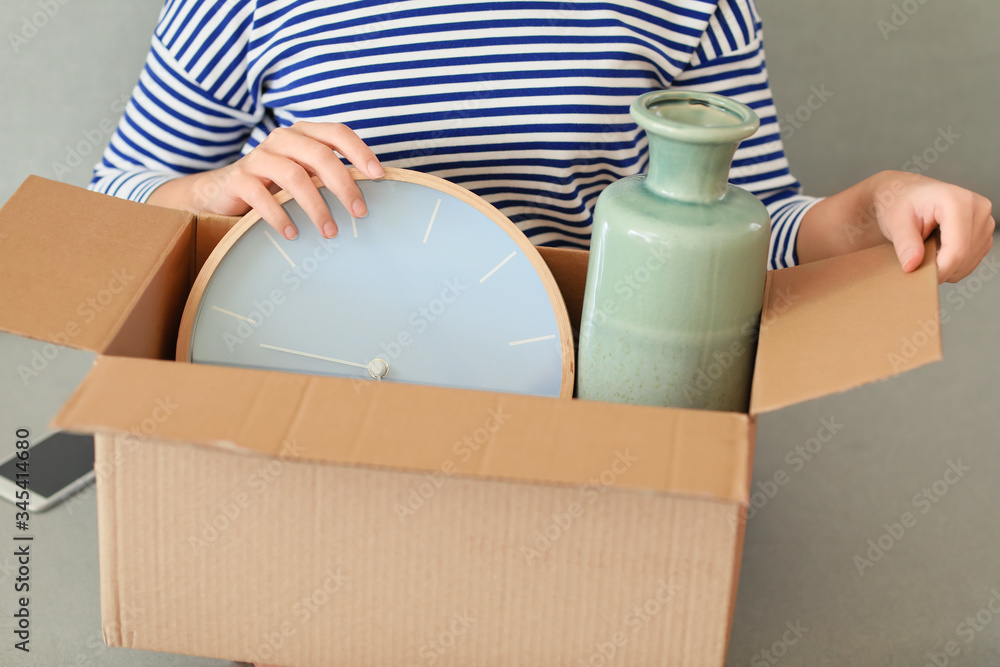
57, 467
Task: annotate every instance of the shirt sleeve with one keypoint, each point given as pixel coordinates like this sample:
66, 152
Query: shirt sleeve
730, 61
192, 109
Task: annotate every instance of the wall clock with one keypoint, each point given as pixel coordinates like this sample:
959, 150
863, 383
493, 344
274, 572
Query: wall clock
435, 286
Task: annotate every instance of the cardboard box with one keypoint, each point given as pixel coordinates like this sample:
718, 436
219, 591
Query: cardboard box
313, 521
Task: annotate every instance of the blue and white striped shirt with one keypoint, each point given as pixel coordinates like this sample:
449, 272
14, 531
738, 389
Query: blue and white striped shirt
524, 102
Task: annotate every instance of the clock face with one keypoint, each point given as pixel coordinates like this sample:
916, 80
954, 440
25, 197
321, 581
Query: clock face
433, 287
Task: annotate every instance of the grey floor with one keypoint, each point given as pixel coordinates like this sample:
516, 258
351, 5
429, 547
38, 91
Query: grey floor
931, 586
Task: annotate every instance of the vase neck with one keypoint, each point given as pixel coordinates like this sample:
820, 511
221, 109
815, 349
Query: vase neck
692, 172
693, 137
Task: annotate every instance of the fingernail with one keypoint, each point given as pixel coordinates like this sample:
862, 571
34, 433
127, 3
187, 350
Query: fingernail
907, 256
375, 170
329, 230
290, 232
359, 209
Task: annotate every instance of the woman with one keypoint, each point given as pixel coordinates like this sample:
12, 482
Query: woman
524, 103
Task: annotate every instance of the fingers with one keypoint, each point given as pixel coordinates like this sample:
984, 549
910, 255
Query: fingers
966, 229
909, 246
986, 251
988, 227
902, 227
306, 144
313, 142
964, 219
259, 198
347, 142
291, 176
289, 157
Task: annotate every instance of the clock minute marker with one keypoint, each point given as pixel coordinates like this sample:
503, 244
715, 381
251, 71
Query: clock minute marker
497, 267
433, 216
531, 340
236, 315
280, 249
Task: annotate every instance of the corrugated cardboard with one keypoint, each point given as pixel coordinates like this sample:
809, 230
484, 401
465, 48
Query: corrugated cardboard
264, 516
333, 420
79, 270
836, 324
317, 569
547, 532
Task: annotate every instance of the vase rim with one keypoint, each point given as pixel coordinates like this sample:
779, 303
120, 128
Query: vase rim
738, 121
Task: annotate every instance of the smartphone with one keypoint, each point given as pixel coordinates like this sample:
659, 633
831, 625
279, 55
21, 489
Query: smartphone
58, 466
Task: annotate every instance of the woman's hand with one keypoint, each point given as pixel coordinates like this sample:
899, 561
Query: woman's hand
287, 158
910, 207
903, 208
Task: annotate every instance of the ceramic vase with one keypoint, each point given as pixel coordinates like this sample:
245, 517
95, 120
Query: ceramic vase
677, 264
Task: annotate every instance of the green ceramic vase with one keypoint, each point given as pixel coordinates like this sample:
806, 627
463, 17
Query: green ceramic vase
678, 258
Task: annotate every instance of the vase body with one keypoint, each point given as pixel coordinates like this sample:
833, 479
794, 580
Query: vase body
677, 264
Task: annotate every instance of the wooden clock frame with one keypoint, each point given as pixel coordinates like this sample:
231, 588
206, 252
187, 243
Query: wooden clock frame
406, 176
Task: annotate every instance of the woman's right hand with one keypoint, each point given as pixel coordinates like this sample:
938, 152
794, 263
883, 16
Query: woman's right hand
286, 159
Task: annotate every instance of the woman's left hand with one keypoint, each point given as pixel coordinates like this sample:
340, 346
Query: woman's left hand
909, 207
903, 208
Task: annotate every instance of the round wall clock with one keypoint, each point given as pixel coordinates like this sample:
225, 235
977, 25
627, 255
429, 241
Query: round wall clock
435, 286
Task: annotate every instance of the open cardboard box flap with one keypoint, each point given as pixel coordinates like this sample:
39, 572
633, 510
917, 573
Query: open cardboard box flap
107, 265
836, 324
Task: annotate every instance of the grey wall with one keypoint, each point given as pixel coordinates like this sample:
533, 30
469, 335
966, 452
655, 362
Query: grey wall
892, 90
891, 94
61, 88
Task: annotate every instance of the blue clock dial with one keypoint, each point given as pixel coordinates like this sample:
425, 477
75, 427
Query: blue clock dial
429, 288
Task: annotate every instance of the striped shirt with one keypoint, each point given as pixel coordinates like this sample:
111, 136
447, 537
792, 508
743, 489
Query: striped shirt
524, 102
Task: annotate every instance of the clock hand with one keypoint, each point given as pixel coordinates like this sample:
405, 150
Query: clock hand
313, 356
377, 368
